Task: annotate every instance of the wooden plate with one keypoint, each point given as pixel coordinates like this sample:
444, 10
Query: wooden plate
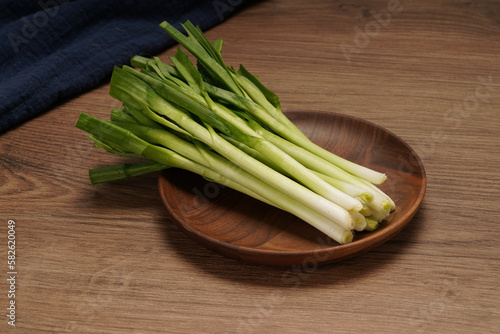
242, 228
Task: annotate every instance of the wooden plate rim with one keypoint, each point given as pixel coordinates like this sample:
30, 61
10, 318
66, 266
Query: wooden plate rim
341, 251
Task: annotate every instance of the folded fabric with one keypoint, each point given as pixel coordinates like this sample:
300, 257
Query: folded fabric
54, 49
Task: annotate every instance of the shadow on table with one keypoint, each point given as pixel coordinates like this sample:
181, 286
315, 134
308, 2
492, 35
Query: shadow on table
123, 194
135, 192
348, 270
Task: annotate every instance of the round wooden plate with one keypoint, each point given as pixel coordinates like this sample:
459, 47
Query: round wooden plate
242, 228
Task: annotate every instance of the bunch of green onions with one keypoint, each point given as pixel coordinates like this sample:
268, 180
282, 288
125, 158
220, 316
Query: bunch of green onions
225, 125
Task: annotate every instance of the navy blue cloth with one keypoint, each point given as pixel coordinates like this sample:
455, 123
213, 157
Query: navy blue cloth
54, 49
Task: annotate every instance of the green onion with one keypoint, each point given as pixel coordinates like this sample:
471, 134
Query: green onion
193, 44
371, 224
220, 170
226, 126
123, 171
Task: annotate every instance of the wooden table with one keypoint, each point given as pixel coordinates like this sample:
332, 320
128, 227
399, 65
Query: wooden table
109, 259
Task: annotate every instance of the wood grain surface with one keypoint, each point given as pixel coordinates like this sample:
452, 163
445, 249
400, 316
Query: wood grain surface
109, 258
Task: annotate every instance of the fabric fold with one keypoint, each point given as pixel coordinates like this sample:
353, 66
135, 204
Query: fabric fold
54, 49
